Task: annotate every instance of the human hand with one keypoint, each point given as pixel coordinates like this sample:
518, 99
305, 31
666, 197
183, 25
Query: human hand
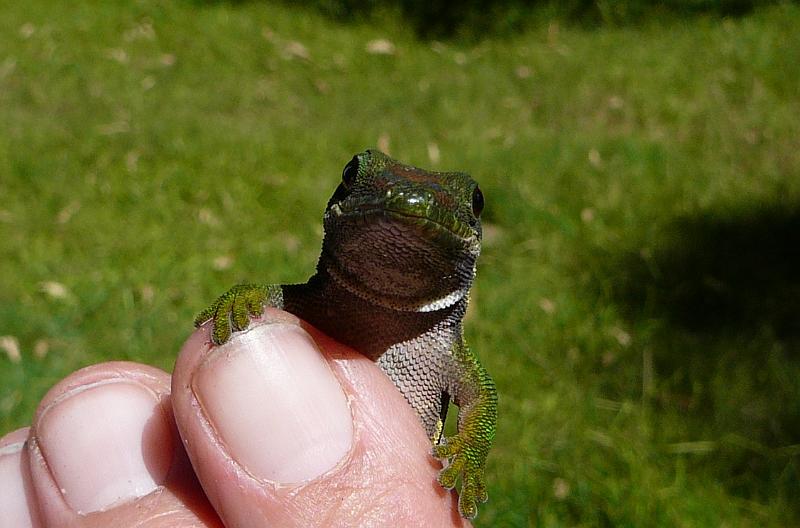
283, 427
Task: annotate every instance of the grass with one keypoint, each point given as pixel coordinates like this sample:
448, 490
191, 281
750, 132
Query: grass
637, 295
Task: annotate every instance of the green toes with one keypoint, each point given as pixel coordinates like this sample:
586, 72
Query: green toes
481, 495
231, 312
240, 316
466, 463
449, 475
467, 506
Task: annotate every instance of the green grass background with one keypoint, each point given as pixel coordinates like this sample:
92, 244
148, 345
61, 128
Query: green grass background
637, 297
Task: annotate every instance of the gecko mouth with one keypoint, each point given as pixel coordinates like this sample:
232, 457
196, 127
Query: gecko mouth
428, 216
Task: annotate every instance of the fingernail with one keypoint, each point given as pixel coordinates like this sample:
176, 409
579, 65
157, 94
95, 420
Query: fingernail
15, 501
275, 403
105, 444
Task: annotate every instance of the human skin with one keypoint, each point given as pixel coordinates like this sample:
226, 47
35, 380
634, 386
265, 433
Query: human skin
281, 426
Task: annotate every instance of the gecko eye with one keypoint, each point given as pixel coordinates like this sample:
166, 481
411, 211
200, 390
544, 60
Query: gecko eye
477, 201
350, 172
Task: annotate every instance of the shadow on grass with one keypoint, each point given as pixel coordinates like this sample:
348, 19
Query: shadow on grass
731, 275
717, 300
478, 19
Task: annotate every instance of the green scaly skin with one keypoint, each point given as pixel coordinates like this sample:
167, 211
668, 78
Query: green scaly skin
398, 259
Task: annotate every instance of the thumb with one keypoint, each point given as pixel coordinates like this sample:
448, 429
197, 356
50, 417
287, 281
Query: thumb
285, 426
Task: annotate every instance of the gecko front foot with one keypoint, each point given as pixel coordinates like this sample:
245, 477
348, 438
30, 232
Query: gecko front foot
232, 310
466, 459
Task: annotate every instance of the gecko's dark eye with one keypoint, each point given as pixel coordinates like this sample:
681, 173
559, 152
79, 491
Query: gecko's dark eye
477, 201
350, 172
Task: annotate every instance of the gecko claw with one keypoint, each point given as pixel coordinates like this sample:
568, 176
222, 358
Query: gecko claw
204, 316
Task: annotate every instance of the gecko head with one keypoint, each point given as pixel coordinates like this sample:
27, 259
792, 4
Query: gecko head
400, 236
